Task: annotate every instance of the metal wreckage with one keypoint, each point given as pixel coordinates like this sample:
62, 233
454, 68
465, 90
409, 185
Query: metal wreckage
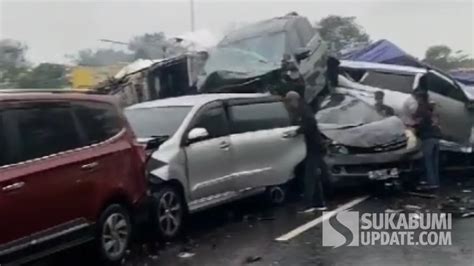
275, 56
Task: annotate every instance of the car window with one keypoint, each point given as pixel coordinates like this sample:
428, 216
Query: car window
258, 116
444, 87
159, 121
3, 147
214, 120
390, 81
43, 129
99, 121
271, 46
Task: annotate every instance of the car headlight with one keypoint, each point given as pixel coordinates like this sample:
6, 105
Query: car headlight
412, 140
338, 149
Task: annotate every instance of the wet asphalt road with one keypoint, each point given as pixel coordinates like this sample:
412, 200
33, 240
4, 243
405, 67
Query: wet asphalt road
244, 233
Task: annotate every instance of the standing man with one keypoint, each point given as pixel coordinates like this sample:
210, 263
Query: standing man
381, 107
428, 131
315, 167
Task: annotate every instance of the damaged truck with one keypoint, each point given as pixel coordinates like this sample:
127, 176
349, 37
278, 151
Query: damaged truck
250, 59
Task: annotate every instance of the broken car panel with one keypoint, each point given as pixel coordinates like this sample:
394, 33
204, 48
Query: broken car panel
363, 145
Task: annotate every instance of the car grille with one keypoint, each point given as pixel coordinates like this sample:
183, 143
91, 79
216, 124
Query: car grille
400, 143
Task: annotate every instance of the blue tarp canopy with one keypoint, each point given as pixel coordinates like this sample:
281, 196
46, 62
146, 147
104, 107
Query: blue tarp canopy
464, 76
383, 52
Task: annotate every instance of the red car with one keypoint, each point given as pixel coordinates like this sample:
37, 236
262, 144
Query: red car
70, 172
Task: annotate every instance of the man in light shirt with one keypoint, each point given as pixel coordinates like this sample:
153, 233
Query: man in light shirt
409, 109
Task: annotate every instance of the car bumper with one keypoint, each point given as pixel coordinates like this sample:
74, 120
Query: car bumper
355, 169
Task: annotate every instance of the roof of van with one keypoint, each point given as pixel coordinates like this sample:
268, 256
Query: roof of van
196, 100
268, 26
382, 67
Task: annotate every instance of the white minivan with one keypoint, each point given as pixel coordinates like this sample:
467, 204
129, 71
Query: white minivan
213, 148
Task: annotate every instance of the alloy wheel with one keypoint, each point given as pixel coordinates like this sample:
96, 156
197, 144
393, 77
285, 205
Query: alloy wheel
115, 235
169, 213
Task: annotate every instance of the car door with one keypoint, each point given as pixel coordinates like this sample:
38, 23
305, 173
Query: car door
450, 105
110, 163
266, 149
209, 160
39, 194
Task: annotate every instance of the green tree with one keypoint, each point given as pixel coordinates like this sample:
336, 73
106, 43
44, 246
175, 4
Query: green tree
443, 57
12, 62
153, 46
342, 32
101, 57
45, 75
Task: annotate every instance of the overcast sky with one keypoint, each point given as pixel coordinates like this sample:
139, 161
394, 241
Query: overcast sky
55, 28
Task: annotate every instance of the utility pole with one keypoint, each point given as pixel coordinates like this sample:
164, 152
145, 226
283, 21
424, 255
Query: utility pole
192, 14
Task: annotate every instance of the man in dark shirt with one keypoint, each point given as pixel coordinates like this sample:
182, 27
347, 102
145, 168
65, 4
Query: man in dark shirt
380, 106
315, 167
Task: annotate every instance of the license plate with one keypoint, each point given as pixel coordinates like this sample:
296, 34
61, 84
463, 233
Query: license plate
383, 174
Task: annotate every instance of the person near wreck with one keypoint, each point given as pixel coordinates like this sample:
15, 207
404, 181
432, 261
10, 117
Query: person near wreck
315, 167
291, 79
381, 107
428, 131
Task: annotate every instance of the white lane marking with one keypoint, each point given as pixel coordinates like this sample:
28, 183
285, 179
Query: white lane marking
301, 229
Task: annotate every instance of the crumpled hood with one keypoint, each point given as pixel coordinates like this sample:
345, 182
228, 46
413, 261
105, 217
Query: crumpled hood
368, 135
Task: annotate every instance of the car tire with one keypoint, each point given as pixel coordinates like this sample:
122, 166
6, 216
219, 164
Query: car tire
276, 195
114, 233
168, 212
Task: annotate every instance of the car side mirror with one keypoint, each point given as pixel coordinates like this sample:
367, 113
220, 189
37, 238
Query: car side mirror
152, 144
302, 53
197, 134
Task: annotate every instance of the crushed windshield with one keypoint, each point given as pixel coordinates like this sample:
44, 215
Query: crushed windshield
236, 60
345, 110
159, 121
270, 46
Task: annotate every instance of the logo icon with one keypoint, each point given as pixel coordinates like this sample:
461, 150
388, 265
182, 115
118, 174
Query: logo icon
341, 230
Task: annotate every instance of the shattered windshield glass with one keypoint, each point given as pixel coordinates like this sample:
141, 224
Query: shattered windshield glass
270, 46
160, 121
236, 60
345, 110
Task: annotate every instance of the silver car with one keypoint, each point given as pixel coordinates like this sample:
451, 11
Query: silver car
212, 149
453, 101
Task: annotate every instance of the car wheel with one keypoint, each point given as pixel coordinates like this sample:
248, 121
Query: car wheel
114, 233
169, 212
276, 195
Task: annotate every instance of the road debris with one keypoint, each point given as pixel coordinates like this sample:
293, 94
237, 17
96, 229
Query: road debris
466, 191
468, 214
185, 255
393, 211
422, 195
458, 206
412, 208
252, 259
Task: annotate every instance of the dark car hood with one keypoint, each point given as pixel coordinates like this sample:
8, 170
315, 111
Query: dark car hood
382, 132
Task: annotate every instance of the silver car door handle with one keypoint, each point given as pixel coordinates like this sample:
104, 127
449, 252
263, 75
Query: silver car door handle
224, 145
13, 186
89, 166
